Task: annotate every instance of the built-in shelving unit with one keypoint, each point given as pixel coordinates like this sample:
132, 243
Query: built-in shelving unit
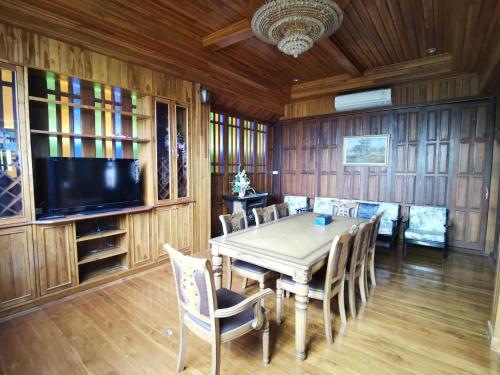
93, 136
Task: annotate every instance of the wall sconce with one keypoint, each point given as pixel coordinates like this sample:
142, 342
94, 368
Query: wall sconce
204, 94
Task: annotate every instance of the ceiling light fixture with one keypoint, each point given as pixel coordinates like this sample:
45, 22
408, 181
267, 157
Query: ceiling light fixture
295, 80
294, 25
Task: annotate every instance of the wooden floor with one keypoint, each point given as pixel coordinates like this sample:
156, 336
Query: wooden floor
424, 317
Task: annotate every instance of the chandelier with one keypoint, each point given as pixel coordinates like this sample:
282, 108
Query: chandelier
294, 25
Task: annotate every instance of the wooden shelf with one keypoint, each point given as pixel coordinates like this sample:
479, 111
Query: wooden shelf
93, 136
102, 254
87, 107
102, 273
102, 234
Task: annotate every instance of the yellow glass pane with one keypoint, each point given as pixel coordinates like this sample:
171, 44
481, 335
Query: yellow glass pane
6, 75
107, 93
63, 84
8, 107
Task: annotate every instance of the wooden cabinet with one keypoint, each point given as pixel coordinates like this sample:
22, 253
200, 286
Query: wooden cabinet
174, 225
55, 251
17, 271
140, 238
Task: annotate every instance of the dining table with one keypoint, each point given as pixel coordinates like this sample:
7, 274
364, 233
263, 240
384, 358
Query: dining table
294, 245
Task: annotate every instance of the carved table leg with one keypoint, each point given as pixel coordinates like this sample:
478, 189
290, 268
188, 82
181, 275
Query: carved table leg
217, 268
301, 301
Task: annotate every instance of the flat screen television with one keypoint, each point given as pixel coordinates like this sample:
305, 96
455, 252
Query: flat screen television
65, 186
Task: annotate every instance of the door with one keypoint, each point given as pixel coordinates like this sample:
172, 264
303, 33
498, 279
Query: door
140, 238
472, 166
182, 229
163, 227
17, 271
56, 257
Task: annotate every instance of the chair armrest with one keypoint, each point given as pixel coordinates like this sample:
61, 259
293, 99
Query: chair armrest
243, 305
303, 209
448, 225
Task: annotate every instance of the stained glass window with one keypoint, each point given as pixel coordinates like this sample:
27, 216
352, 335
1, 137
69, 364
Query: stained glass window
260, 148
217, 142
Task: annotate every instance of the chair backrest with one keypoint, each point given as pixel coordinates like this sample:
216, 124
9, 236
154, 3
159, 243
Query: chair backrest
391, 213
281, 210
195, 286
233, 222
344, 207
337, 259
376, 219
367, 210
323, 205
427, 218
264, 214
360, 246
295, 203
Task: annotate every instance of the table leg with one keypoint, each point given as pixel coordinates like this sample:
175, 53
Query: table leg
217, 268
301, 302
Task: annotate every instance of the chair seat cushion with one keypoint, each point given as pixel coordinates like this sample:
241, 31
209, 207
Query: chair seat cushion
227, 298
317, 282
424, 235
249, 267
386, 228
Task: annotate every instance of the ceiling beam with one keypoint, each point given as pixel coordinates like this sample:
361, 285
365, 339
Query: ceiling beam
229, 35
386, 75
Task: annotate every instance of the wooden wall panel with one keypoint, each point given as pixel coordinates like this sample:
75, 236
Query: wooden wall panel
440, 155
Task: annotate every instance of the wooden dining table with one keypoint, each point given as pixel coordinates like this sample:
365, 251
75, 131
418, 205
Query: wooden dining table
293, 246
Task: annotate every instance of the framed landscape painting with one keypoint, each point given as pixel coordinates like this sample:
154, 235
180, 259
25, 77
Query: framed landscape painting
370, 150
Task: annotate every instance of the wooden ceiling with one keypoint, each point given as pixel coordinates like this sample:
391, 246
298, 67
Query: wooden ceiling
210, 41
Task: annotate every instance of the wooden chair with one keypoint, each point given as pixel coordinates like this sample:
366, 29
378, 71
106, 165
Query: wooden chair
370, 263
264, 215
356, 267
281, 210
325, 284
214, 316
232, 223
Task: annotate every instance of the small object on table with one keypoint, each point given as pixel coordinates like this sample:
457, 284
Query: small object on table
323, 219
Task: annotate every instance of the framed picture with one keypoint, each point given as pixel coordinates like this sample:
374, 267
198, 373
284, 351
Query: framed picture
366, 150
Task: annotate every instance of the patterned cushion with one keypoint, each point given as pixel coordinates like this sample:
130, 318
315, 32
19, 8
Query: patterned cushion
227, 298
317, 281
345, 207
391, 212
282, 210
265, 214
428, 219
385, 228
249, 267
367, 210
423, 235
295, 203
323, 205
235, 221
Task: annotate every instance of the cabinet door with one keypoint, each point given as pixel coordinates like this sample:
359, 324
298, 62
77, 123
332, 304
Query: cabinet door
55, 251
17, 272
163, 227
182, 228
140, 238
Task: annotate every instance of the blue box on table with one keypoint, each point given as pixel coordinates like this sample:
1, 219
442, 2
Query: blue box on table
323, 219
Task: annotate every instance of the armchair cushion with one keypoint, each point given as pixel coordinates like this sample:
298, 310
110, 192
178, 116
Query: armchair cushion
295, 203
227, 298
427, 219
367, 210
390, 216
425, 236
317, 281
323, 205
345, 207
249, 267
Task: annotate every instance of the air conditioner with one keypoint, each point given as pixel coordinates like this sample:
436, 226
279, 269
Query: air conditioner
363, 100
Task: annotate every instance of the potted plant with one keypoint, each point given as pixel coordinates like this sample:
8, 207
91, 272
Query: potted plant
241, 184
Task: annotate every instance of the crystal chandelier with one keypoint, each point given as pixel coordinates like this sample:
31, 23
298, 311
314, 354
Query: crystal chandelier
294, 25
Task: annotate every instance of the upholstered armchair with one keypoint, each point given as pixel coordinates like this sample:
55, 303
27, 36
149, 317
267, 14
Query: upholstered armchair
426, 226
325, 284
264, 214
296, 204
323, 205
345, 207
216, 316
233, 223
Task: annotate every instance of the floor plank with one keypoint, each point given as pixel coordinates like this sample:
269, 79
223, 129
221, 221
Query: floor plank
426, 316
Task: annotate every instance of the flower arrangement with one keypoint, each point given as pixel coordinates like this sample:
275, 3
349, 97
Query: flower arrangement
241, 184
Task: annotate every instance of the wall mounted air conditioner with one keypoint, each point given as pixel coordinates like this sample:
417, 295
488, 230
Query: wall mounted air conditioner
363, 100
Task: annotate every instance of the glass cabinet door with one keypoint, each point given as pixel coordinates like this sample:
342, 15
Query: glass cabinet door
182, 151
12, 186
163, 151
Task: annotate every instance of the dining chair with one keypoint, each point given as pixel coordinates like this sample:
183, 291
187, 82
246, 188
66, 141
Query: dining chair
216, 316
233, 223
370, 263
325, 284
355, 269
281, 210
264, 214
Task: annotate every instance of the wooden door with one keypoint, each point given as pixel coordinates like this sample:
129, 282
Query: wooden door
17, 271
163, 228
55, 251
349, 186
140, 238
472, 167
182, 229
328, 152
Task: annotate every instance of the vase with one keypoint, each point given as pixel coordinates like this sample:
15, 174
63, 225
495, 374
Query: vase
242, 192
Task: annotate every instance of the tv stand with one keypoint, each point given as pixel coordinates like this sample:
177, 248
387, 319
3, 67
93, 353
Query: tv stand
103, 211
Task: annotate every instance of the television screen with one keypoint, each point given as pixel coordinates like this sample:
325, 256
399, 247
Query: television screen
71, 185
